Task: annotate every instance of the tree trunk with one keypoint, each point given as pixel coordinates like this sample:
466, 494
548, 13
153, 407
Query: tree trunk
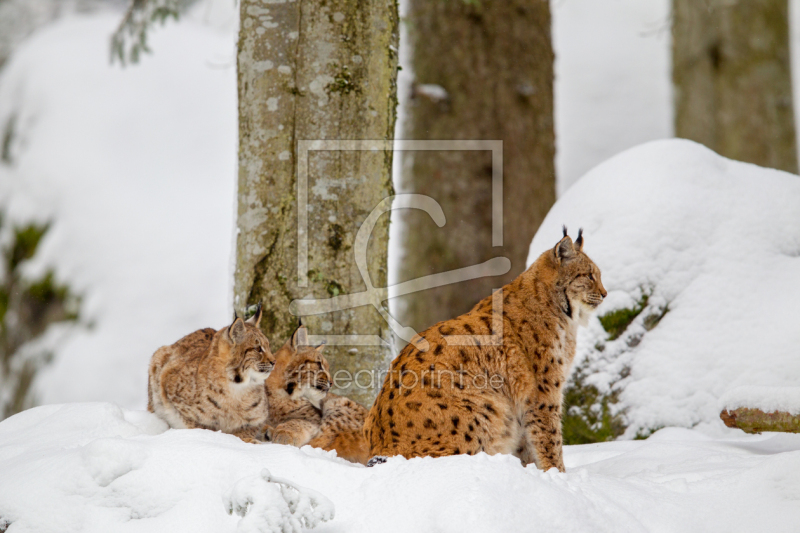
308, 71
732, 77
483, 70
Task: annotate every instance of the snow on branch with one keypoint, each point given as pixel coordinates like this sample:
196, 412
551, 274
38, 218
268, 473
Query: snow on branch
268, 503
130, 39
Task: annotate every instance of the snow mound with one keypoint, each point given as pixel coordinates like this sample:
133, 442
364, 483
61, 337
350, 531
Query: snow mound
768, 399
701, 258
99, 468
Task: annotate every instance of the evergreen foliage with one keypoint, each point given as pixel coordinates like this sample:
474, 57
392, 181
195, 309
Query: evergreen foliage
27, 308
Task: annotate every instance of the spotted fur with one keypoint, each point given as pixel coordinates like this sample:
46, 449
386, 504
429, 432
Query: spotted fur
214, 380
342, 429
454, 399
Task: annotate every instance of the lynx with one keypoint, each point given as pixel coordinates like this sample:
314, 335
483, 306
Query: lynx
303, 411
295, 390
214, 380
455, 399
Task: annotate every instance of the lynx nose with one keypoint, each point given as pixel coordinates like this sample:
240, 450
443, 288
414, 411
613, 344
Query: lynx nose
603, 293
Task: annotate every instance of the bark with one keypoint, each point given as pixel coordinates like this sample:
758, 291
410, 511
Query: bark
312, 70
732, 78
494, 62
756, 420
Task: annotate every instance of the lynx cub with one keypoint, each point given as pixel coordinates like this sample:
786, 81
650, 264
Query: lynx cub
302, 411
295, 390
214, 380
454, 399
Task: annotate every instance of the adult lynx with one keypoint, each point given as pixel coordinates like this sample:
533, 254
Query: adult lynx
214, 380
454, 399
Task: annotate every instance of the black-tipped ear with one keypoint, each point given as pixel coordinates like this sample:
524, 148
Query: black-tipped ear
300, 337
579, 240
256, 318
564, 250
320, 348
236, 331
564, 229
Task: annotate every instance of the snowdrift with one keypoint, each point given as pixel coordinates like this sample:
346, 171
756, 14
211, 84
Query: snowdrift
98, 468
701, 258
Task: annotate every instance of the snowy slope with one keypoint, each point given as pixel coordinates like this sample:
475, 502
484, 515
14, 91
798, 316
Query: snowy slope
716, 243
99, 468
135, 167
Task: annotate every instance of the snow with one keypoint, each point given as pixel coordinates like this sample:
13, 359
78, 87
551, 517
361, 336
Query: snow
97, 467
716, 243
135, 167
768, 399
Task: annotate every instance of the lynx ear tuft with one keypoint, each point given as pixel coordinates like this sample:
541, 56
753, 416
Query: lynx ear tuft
300, 337
564, 250
579, 240
320, 348
256, 318
236, 331
564, 229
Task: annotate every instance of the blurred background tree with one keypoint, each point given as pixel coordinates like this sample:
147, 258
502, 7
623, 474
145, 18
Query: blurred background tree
732, 77
482, 70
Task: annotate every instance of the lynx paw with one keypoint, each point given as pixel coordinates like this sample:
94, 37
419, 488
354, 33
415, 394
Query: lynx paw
377, 460
279, 436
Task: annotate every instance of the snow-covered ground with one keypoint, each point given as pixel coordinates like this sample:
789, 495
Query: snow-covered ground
98, 468
715, 246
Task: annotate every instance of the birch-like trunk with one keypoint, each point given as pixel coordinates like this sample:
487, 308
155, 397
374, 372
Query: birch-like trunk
311, 70
482, 70
732, 77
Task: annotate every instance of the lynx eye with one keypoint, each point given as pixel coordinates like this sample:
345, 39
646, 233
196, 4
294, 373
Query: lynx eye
591, 276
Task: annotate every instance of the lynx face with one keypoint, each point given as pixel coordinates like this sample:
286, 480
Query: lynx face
301, 371
250, 359
579, 277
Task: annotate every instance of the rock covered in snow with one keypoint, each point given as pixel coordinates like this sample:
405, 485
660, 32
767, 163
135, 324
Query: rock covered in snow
701, 258
767, 399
